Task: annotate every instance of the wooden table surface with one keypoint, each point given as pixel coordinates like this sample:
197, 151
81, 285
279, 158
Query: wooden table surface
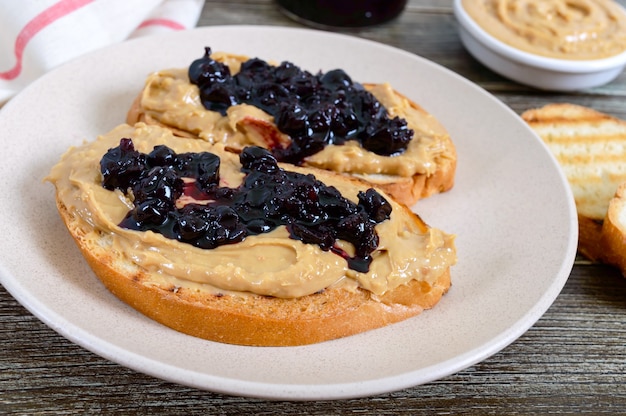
572, 361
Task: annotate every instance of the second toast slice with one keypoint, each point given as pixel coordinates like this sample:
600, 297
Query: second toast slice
426, 166
590, 147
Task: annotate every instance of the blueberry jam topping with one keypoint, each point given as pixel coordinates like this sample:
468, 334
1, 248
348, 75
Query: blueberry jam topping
215, 215
314, 110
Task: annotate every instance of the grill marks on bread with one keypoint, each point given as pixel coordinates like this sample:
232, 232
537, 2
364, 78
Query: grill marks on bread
590, 147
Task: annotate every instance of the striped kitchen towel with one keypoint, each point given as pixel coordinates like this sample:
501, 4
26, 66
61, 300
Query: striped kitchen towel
38, 35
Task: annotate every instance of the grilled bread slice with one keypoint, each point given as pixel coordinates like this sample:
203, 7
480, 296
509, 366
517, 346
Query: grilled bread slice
590, 146
613, 235
427, 167
267, 290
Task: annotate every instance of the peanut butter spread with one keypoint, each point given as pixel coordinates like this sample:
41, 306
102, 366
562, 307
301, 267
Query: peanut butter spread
563, 29
267, 264
170, 99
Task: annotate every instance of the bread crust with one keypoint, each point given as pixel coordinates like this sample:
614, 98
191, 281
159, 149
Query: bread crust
405, 190
252, 319
589, 236
408, 191
612, 240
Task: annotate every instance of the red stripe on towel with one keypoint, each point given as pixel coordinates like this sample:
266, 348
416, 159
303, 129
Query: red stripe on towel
43, 19
162, 22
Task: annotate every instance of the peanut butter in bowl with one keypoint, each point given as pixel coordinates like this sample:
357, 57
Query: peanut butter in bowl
562, 29
556, 45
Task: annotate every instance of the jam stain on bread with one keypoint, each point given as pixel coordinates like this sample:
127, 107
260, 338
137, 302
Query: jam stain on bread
323, 120
272, 288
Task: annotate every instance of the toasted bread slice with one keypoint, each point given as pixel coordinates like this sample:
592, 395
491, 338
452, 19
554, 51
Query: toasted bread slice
613, 233
427, 167
242, 293
590, 146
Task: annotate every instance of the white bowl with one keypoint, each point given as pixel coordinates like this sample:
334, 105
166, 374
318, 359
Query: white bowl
534, 70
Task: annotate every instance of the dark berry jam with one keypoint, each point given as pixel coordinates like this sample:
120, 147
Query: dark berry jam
268, 197
313, 110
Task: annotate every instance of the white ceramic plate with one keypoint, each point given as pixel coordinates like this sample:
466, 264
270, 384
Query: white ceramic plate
511, 209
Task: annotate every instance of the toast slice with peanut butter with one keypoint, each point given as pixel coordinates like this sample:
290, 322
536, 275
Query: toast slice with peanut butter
239, 249
425, 167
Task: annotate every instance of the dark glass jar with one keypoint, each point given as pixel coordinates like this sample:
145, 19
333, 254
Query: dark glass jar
342, 13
